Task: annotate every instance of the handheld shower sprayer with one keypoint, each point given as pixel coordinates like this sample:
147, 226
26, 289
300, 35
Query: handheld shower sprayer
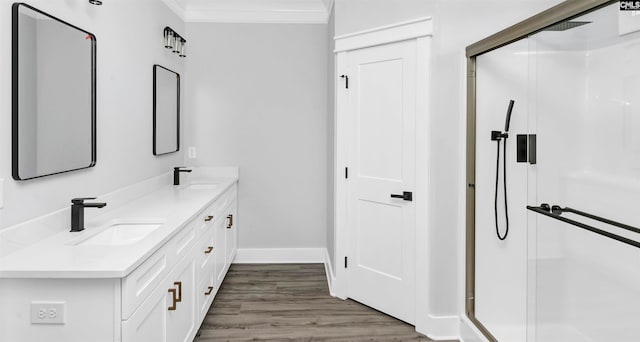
508, 119
497, 136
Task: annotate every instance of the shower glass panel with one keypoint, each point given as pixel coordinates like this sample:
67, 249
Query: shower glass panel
584, 90
500, 265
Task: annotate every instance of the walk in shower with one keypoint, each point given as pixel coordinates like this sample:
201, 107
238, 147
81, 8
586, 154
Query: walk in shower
569, 268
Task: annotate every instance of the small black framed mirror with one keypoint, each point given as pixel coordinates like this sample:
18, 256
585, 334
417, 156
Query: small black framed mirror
53, 95
166, 111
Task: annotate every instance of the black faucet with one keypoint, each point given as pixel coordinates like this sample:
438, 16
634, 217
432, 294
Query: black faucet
77, 212
176, 174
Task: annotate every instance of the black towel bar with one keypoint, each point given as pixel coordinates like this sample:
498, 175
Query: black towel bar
556, 211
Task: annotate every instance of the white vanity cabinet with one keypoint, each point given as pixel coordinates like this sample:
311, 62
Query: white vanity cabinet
164, 299
180, 302
213, 252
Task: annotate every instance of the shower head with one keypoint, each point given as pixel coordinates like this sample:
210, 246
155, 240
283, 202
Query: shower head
508, 119
566, 25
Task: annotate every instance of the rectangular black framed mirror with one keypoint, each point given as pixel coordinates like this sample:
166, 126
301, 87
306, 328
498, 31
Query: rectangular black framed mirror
166, 111
53, 95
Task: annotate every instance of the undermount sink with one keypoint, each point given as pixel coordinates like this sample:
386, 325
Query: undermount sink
202, 186
122, 233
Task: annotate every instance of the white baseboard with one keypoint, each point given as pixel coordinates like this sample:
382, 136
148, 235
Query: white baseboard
328, 269
441, 327
280, 256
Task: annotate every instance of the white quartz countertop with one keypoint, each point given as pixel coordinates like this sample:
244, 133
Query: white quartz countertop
63, 255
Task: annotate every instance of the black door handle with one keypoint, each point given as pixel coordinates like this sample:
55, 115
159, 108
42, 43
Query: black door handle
406, 195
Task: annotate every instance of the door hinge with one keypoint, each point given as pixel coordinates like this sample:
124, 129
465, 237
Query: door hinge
346, 81
345, 262
346, 172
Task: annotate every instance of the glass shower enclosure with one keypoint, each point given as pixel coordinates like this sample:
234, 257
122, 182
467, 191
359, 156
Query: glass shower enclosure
564, 180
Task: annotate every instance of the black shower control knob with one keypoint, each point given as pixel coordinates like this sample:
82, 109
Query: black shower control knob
545, 207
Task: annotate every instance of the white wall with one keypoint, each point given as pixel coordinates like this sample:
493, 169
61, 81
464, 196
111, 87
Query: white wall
129, 42
360, 15
257, 99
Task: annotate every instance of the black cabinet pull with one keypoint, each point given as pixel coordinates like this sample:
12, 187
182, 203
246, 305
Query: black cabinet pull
406, 195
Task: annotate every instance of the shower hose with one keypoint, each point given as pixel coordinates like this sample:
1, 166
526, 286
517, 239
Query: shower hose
504, 178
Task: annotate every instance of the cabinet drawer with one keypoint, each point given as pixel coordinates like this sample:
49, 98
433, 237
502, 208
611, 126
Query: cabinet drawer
205, 251
231, 194
142, 281
216, 211
180, 244
223, 201
205, 220
205, 293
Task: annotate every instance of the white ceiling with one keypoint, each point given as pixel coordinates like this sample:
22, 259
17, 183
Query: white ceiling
252, 11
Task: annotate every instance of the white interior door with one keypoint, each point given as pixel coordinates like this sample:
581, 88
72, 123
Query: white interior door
382, 100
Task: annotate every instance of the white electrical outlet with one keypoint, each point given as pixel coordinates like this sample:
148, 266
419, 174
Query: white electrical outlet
191, 152
48, 313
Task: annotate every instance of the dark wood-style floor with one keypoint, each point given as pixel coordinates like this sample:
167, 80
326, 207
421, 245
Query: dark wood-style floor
291, 302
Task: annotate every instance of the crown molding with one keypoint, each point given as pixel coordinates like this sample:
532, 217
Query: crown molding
411, 29
253, 11
176, 7
329, 5
257, 16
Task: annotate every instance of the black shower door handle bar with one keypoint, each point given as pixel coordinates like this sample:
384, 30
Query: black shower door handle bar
601, 219
585, 226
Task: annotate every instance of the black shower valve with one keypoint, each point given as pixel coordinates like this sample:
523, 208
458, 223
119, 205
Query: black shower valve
497, 135
545, 207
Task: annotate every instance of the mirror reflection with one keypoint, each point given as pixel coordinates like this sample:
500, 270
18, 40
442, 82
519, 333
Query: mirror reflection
53, 95
166, 110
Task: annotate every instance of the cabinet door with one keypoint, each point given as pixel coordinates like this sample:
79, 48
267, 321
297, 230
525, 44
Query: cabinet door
220, 254
232, 232
149, 322
162, 318
181, 322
